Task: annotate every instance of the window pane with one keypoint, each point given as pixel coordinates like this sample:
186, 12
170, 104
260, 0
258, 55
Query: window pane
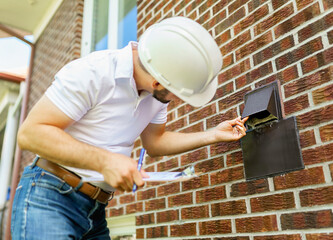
100, 25
127, 22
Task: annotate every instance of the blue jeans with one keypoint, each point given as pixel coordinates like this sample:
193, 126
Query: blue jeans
47, 208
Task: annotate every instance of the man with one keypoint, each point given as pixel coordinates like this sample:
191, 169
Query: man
87, 122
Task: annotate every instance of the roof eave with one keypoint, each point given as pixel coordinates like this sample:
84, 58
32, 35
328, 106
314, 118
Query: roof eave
11, 78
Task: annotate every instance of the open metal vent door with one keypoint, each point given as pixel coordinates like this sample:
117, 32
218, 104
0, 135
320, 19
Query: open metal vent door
271, 145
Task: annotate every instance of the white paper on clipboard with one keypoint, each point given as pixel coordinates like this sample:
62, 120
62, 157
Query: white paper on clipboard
155, 176
166, 176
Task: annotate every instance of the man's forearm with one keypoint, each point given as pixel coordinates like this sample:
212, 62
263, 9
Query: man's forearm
171, 143
56, 145
159, 142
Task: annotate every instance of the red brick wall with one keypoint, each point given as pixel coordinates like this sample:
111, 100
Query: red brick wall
58, 44
261, 41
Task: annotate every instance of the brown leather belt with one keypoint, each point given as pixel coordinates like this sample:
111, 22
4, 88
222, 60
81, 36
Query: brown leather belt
74, 180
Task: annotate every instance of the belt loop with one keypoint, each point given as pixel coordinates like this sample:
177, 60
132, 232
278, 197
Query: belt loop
111, 196
98, 190
78, 186
34, 162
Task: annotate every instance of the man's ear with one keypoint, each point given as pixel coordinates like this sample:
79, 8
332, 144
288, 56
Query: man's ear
155, 84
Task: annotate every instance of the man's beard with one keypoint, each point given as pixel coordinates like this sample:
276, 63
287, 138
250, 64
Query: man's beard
160, 95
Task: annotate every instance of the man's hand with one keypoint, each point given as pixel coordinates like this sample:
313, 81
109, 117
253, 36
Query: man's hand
121, 172
231, 130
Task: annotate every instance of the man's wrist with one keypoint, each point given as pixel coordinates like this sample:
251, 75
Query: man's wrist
103, 157
211, 137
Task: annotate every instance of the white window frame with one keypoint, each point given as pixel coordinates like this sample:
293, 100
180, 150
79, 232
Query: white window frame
11, 101
122, 225
88, 24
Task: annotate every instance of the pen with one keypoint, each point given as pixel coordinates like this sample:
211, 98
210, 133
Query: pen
142, 153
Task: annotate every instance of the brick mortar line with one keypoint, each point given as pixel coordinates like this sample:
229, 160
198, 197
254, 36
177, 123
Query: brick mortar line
317, 136
310, 99
231, 26
278, 214
273, 59
318, 144
315, 107
278, 222
327, 173
199, 109
294, 30
218, 12
297, 199
274, 73
238, 165
212, 102
228, 15
307, 110
194, 163
210, 9
163, 14
246, 234
218, 112
276, 192
197, 8
309, 90
321, 6
319, 34
143, 10
246, 198
256, 234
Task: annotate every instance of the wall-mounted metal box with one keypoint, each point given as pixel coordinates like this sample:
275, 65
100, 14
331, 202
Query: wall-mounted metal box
271, 145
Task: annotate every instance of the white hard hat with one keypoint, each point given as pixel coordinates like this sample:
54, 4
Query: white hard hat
182, 56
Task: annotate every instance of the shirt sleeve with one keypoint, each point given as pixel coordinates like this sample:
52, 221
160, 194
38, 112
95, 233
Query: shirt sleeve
74, 89
161, 116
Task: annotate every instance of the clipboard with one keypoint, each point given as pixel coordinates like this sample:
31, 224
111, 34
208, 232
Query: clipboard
185, 175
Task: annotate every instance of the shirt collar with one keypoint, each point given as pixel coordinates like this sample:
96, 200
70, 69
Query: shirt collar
124, 67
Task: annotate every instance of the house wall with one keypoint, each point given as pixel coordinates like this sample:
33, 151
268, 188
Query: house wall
59, 44
261, 41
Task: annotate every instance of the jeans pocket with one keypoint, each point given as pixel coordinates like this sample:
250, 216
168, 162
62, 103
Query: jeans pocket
50, 181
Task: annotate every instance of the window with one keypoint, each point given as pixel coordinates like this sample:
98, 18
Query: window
108, 24
100, 25
127, 27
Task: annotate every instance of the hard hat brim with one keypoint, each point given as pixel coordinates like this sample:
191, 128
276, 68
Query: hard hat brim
196, 99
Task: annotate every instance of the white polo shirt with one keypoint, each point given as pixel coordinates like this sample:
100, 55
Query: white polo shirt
99, 92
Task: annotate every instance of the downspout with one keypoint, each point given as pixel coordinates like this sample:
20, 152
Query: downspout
18, 151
